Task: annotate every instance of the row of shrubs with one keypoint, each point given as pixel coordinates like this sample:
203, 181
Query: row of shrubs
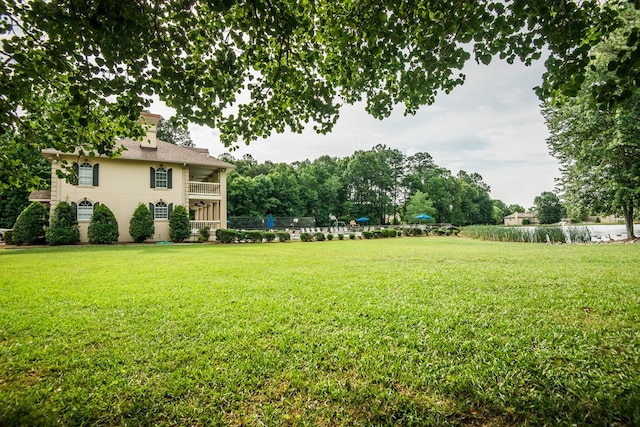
229, 235
32, 226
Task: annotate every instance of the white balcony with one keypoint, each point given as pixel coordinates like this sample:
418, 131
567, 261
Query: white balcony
204, 189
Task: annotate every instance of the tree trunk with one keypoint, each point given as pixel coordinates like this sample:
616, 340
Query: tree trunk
628, 220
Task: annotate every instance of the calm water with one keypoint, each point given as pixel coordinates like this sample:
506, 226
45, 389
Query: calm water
613, 232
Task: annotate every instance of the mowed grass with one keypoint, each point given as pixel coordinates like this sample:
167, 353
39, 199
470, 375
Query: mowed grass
405, 331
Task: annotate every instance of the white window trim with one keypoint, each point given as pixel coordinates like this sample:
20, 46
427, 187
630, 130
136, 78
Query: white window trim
82, 211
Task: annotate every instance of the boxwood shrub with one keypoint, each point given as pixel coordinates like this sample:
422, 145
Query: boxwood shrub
103, 227
319, 236
254, 236
367, 234
283, 236
306, 237
269, 236
226, 235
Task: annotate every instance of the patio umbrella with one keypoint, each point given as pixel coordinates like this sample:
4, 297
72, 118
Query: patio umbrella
422, 216
362, 219
270, 221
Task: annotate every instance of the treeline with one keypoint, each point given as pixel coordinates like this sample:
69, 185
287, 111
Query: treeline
381, 184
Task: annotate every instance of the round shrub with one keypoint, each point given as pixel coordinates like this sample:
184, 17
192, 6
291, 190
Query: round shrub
103, 227
226, 235
329, 236
141, 225
30, 224
340, 236
319, 237
269, 236
254, 236
179, 226
205, 233
283, 236
8, 237
64, 226
306, 237
367, 234
352, 236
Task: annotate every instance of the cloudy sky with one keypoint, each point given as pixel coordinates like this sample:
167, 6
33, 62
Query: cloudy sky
491, 125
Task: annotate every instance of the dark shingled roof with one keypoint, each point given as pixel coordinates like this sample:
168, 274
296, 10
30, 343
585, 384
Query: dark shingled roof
164, 152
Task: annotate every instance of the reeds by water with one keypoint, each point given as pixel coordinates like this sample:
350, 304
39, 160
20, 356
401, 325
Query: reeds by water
537, 234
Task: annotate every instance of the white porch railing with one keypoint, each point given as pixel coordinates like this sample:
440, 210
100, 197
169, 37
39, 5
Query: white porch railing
196, 226
204, 188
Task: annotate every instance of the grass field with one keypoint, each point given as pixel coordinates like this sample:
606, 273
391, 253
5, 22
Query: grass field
405, 331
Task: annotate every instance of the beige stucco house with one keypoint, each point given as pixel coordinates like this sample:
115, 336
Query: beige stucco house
517, 218
153, 172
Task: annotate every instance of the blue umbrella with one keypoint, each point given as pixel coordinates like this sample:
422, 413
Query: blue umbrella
362, 219
270, 221
422, 216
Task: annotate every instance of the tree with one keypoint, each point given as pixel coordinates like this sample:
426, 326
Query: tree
599, 148
141, 226
174, 133
30, 225
418, 204
71, 81
179, 226
103, 227
64, 226
548, 208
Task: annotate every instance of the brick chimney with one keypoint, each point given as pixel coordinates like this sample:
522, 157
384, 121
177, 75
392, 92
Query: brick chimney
150, 122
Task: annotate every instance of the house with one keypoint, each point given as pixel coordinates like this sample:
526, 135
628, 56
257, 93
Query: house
153, 172
519, 218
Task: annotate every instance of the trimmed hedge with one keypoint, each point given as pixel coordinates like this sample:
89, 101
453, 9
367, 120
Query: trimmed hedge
103, 227
30, 225
283, 236
179, 225
141, 226
64, 226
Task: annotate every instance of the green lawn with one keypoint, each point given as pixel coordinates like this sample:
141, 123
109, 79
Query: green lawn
404, 331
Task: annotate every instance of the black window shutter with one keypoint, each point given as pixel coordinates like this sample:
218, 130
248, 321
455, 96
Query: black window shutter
152, 177
76, 172
170, 178
74, 205
151, 208
170, 210
96, 173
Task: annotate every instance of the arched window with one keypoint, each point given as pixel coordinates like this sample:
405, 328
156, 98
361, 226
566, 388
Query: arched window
161, 177
85, 174
85, 210
161, 210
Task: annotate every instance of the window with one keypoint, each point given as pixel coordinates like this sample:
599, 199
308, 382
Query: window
161, 210
85, 210
160, 178
85, 174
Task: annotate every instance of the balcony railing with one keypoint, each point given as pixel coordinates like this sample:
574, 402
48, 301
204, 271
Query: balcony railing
204, 188
196, 226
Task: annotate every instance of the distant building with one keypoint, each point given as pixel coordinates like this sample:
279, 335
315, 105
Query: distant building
519, 218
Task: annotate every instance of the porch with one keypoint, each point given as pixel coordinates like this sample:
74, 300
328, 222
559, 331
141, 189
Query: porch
204, 189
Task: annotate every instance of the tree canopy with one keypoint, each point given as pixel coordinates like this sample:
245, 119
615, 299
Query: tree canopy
76, 74
381, 184
599, 148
